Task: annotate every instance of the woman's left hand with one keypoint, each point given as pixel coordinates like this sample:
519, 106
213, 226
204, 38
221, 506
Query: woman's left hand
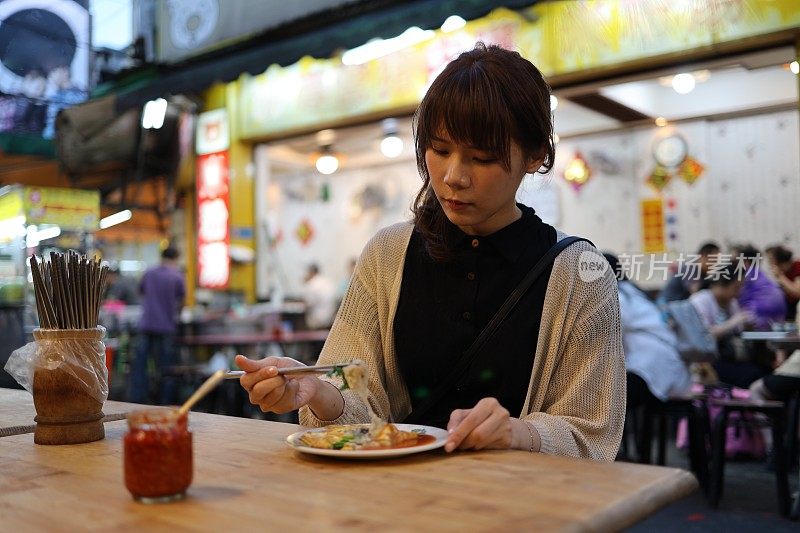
486, 426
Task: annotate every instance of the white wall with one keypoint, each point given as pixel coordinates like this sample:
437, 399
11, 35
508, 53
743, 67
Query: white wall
749, 192
341, 225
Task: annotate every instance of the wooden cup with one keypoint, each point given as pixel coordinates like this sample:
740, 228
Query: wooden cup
65, 412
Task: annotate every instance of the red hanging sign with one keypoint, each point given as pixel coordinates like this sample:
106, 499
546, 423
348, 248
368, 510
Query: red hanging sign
213, 230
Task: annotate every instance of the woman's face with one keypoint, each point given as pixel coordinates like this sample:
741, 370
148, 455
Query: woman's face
474, 189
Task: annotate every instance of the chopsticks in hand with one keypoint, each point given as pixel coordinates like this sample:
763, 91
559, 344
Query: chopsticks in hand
320, 369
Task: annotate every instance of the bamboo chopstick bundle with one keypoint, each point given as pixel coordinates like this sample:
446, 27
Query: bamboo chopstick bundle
68, 290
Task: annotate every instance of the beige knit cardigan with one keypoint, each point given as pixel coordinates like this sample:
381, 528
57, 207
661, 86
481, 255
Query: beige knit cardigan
576, 395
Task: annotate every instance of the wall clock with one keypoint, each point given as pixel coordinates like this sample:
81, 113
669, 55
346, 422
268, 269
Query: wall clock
670, 151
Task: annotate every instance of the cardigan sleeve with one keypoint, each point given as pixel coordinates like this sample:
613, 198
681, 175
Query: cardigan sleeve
356, 334
583, 413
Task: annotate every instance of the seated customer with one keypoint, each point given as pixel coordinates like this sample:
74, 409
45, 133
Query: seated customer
655, 370
783, 382
690, 275
720, 312
786, 271
761, 296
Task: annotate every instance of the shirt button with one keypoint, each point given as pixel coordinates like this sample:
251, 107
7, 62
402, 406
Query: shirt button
475, 243
467, 315
471, 276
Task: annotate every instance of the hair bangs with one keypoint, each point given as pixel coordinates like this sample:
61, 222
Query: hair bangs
469, 110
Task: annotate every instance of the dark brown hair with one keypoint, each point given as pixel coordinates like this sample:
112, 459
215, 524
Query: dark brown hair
780, 254
487, 98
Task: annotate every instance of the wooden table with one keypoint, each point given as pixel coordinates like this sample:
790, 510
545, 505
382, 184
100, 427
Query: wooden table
247, 478
16, 410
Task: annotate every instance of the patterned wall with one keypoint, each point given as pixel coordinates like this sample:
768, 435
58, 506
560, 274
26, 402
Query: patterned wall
750, 191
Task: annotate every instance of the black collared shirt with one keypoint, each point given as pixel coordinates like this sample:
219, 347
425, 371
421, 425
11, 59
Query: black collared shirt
444, 306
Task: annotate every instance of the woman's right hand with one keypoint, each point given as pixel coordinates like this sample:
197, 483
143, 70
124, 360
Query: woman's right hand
273, 392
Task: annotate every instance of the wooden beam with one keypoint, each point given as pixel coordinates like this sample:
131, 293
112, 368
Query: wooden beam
611, 108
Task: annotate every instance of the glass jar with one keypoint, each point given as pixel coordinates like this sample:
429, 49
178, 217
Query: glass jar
158, 455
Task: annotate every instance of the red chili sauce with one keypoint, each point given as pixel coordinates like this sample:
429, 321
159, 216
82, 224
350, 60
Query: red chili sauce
158, 454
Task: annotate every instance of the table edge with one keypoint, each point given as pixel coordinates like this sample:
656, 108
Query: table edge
653, 498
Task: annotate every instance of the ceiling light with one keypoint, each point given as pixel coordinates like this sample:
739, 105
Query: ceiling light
794, 66
327, 163
661, 122
154, 113
683, 83
553, 102
453, 23
392, 146
36, 235
116, 218
380, 47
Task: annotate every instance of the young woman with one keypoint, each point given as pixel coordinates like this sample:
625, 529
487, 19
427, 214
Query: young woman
552, 377
720, 312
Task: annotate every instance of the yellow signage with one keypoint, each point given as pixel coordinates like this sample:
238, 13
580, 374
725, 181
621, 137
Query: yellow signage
70, 209
653, 225
11, 205
560, 37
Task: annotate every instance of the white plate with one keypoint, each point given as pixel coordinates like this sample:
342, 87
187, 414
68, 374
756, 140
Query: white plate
440, 436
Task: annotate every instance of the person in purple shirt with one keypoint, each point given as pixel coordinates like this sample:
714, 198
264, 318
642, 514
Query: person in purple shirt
760, 295
163, 291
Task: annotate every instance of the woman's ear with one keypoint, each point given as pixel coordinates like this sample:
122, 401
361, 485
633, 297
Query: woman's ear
534, 164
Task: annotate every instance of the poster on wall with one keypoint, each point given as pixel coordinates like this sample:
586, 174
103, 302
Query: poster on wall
653, 225
44, 62
213, 213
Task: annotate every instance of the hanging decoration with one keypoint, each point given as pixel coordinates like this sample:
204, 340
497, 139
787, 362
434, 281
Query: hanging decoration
304, 232
671, 220
690, 170
577, 172
659, 178
671, 154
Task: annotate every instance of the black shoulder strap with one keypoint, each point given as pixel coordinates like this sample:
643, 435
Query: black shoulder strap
463, 364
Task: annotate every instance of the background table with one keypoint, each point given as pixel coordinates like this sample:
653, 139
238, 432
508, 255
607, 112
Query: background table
302, 345
789, 341
247, 478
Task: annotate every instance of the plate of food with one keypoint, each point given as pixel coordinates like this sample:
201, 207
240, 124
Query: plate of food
359, 441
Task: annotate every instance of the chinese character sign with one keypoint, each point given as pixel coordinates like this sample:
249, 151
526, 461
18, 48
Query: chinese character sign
213, 209
653, 226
